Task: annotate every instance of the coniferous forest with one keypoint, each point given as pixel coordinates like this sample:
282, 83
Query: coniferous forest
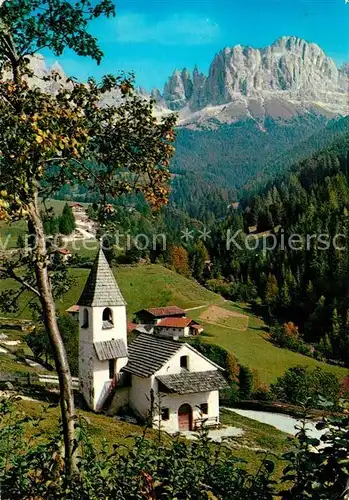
304, 279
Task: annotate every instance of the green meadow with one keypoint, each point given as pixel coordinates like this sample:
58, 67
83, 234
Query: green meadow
229, 325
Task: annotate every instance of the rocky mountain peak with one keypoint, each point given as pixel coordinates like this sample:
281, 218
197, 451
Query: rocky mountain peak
290, 69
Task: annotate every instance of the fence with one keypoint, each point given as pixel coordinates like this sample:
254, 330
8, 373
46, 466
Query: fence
32, 379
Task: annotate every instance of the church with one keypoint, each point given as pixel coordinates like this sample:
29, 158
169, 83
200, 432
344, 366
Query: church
162, 381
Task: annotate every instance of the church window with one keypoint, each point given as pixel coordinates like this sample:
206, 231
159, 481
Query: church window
184, 362
165, 414
107, 318
85, 319
111, 368
204, 408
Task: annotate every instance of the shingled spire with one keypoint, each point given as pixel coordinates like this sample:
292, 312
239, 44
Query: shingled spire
101, 289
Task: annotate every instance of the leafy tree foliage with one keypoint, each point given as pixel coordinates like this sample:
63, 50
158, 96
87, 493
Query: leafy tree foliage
39, 342
146, 469
245, 382
179, 260
300, 384
51, 139
198, 257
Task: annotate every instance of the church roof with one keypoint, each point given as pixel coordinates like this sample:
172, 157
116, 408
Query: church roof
147, 354
101, 288
190, 382
110, 349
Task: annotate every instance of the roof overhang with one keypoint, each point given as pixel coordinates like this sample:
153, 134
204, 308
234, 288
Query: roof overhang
191, 382
110, 349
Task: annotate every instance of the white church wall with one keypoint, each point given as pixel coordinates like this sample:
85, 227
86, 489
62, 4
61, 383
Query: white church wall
174, 401
94, 374
119, 330
120, 363
140, 395
85, 371
101, 382
196, 363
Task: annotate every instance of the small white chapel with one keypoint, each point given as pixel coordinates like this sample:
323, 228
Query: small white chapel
183, 383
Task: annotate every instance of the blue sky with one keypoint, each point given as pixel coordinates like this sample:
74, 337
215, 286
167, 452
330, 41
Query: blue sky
153, 37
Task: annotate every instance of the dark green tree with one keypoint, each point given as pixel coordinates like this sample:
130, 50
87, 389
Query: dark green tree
67, 221
198, 256
245, 382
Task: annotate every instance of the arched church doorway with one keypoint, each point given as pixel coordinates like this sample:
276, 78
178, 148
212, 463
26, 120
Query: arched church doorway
185, 417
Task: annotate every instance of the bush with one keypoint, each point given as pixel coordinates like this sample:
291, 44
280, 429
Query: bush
245, 382
262, 394
141, 469
176, 468
300, 385
288, 337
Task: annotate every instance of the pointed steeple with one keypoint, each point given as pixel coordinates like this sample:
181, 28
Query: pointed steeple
101, 288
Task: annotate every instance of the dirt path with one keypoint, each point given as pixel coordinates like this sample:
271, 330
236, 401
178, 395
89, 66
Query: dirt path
205, 305
195, 308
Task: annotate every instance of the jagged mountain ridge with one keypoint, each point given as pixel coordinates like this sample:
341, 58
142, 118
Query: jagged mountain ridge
286, 79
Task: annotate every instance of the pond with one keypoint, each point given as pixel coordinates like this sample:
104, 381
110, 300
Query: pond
284, 423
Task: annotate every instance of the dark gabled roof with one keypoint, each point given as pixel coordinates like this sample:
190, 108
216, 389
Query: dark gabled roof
163, 312
147, 354
189, 382
101, 288
110, 349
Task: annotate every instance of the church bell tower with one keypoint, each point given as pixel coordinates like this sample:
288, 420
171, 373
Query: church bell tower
102, 334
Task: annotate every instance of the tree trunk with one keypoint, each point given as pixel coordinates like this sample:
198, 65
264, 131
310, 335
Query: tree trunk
60, 357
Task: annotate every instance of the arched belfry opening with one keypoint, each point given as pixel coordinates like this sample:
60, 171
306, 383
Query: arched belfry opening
107, 318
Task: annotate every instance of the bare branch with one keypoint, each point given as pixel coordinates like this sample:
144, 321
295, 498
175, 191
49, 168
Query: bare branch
11, 274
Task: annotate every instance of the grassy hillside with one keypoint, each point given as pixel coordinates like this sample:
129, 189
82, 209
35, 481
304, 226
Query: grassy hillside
142, 286
232, 326
245, 336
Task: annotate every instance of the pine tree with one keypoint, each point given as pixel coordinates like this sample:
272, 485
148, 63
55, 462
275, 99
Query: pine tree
284, 296
335, 323
232, 368
325, 346
67, 221
272, 290
245, 382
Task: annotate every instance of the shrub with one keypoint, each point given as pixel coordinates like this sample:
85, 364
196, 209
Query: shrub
176, 468
301, 385
262, 394
288, 337
245, 382
141, 469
